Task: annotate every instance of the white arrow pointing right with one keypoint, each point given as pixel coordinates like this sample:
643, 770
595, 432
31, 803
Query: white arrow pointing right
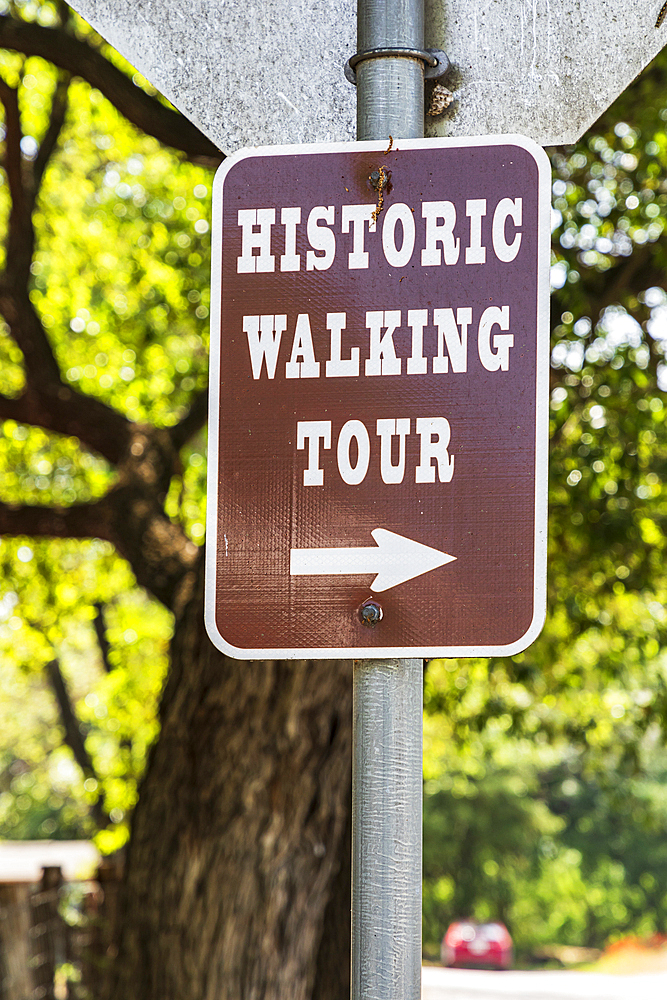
394, 559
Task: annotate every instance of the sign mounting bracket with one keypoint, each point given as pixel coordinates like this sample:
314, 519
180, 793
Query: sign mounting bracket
436, 63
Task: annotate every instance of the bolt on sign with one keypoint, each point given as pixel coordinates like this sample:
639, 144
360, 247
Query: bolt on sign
379, 388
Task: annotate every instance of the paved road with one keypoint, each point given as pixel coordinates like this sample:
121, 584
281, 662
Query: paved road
468, 984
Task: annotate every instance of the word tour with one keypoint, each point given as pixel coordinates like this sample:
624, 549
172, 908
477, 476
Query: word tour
353, 449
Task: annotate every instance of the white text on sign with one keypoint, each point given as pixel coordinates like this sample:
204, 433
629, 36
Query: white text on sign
441, 231
440, 340
265, 335
355, 440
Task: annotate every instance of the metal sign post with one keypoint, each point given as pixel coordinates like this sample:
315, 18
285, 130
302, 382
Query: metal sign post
379, 341
388, 694
387, 830
418, 422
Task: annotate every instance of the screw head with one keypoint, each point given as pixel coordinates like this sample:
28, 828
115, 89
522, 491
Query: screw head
370, 613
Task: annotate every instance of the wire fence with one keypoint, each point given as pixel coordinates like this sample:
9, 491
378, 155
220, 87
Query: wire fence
56, 937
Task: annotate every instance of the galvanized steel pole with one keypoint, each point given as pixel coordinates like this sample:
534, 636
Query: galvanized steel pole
387, 830
387, 748
390, 90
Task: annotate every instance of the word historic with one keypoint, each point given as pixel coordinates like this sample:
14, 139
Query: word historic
440, 236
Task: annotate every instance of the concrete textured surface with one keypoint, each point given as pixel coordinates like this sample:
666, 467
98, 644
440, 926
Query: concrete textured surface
261, 72
468, 984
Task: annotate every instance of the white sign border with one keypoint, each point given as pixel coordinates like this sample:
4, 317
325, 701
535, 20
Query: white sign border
541, 414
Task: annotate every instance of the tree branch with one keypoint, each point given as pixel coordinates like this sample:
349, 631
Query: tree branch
161, 555
47, 401
62, 49
632, 275
73, 738
131, 515
78, 521
101, 633
20, 235
191, 422
13, 136
15, 305
56, 122
635, 274
57, 407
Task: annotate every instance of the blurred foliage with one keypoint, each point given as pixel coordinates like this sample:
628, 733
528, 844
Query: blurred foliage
563, 845
120, 280
546, 794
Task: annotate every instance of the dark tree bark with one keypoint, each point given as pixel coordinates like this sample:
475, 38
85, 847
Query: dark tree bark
234, 880
332, 975
99, 624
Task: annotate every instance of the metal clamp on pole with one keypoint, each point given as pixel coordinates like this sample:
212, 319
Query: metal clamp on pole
389, 69
436, 62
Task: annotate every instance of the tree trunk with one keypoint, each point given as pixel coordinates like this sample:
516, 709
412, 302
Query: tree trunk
239, 838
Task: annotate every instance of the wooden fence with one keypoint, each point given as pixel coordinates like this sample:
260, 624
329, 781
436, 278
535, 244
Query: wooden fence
57, 939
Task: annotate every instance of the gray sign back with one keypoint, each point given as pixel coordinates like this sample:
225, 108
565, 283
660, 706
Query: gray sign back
272, 72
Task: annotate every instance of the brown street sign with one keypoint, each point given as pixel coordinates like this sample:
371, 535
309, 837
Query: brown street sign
379, 399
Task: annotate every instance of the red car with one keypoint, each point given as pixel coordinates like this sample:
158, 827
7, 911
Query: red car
468, 944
